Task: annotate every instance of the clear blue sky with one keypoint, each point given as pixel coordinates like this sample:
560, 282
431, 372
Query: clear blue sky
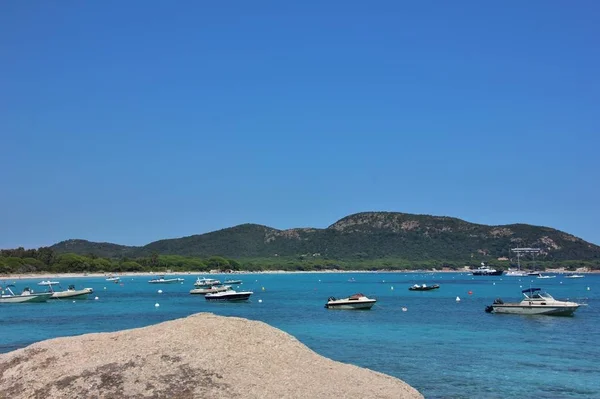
132, 121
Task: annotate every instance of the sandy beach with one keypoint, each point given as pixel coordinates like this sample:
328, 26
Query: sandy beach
197, 273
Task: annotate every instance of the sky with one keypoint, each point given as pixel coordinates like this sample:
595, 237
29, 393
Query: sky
134, 121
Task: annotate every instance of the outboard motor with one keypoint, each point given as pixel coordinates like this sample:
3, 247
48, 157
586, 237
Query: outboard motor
489, 309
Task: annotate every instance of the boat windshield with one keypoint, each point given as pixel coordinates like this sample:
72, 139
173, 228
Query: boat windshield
540, 295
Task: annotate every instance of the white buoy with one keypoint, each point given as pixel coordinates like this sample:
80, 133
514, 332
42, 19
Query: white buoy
160, 291
494, 283
404, 309
73, 301
260, 301
457, 299
392, 288
588, 288
156, 305
96, 298
104, 287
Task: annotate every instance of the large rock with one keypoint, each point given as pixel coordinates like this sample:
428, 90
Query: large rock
200, 356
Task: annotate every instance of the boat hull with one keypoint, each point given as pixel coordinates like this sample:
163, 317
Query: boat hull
428, 288
26, 298
74, 294
228, 297
494, 273
167, 281
535, 309
364, 305
212, 290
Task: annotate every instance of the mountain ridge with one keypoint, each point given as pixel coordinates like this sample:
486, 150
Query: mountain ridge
364, 235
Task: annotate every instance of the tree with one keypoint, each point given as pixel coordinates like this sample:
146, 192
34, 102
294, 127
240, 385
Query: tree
217, 262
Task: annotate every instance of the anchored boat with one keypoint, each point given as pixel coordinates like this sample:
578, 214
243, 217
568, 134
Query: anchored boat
423, 287
8, 296
229, 296
536, 302
356, 301
163, 280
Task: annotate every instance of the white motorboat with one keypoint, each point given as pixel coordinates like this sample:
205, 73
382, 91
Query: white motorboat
210, 290
544, 276
48, 282
8, 296
575, 276
232, 282
356, 301
536, 302
114, 279
229, 296
163, 280
71, 293
206, 282
515, 273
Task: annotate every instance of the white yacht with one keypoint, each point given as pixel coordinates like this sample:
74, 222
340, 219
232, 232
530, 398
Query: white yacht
536, 302
356, 301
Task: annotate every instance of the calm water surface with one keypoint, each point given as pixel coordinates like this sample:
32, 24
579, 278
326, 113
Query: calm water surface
444, 348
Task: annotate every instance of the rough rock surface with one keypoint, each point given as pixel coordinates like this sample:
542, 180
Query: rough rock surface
200, 356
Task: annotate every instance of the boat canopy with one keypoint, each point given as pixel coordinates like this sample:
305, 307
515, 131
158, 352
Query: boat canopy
530, 290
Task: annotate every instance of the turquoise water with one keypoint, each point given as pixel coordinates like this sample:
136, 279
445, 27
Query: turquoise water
444, 348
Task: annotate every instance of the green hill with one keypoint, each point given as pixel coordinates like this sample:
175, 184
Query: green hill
362, 236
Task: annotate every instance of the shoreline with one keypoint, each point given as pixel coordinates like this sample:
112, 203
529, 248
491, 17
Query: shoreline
26, 276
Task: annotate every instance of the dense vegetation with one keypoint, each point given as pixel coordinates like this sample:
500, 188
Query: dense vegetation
359, 237
46, 260
364, 241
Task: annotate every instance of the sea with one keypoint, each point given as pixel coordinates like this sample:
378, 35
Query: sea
441, 342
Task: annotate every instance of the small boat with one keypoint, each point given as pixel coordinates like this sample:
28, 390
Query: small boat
229, 296
536, 302
356, 301
515, 273
210, 290
206, 282
114, 279
575, 276
8, 296
483, 270
71, 292
232, 282
423, 287
48, 283
544, 276
163, 280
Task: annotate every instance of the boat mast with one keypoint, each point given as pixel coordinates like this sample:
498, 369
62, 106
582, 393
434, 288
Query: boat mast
520, 251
